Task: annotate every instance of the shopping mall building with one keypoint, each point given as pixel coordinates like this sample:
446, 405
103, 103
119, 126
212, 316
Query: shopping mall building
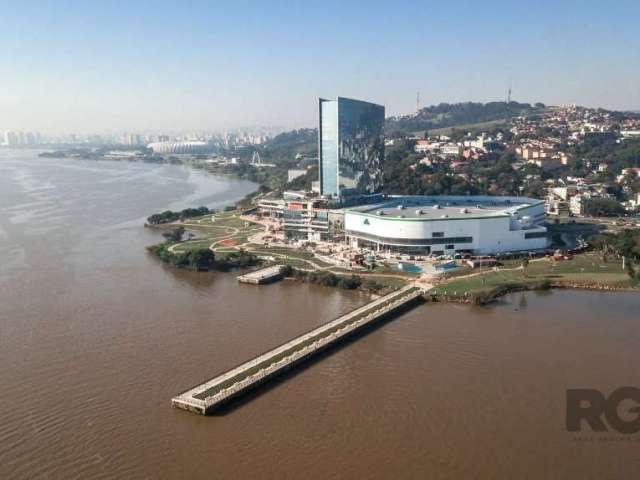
445, 225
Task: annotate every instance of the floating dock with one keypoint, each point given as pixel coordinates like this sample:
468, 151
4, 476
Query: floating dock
264, 275
206, 397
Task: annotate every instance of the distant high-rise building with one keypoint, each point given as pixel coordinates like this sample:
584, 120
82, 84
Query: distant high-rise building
351, 147
131, 139
10, 138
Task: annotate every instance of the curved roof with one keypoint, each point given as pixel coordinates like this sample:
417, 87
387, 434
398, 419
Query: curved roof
446, 206
180, 147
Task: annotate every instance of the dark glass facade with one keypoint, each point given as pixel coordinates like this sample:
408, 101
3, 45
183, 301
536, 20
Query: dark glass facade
351, 147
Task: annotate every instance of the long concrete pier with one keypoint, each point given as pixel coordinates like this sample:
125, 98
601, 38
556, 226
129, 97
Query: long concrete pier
263, 275
206, 397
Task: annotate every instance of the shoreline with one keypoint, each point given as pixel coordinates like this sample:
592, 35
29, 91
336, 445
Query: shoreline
470, 300
153, 159
468, 294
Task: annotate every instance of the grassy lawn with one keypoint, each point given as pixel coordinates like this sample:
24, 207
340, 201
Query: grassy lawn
192, 245
294, 262
586, 269
461, 271
227, 231
220, 222
244, 234
224, 226
386, 281
282, 251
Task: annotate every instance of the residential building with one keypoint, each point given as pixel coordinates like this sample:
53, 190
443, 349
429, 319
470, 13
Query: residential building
547, 163
633, 171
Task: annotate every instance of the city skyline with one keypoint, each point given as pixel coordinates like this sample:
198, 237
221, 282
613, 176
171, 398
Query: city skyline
74, 67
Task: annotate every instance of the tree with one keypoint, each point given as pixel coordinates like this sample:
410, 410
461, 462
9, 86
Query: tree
203, 259
174, 235
603, 207
625, 243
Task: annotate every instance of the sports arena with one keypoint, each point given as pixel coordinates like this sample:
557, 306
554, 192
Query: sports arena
446, 225
181, 148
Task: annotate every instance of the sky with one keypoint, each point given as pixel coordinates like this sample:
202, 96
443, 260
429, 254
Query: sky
116, 66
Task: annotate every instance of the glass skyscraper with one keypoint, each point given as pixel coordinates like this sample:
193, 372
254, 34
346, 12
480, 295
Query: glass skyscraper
351, 147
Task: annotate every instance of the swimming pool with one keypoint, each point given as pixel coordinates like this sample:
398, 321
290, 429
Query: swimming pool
409, 267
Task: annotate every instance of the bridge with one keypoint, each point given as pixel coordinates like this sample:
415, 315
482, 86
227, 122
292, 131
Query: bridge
206, 397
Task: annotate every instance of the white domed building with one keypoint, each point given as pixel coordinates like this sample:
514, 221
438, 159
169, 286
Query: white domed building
182, 148
445, 225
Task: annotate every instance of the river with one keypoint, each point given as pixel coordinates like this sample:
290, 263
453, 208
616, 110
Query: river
96, 336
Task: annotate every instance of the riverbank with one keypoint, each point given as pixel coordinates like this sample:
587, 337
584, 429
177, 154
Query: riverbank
585, 271
228, 232
376, 285
499, 292
271, 178
203, 257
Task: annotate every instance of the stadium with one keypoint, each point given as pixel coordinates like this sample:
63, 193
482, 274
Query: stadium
448, 225
181, 148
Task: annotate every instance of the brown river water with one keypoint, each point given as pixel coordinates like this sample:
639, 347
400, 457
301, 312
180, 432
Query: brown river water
96, 337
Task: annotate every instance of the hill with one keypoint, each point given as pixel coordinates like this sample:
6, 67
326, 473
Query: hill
457, 114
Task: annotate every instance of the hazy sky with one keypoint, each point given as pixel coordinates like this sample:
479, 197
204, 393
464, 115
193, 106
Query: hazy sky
132, 65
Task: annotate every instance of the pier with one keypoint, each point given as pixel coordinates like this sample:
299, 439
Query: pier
208, 396
264, 275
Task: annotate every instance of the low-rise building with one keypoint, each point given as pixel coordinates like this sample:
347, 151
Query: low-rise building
271, 207
630, 133
633, 171
294, 173
547, 163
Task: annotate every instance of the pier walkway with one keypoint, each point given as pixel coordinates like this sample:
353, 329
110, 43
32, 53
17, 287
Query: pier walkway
206, 397
263, 275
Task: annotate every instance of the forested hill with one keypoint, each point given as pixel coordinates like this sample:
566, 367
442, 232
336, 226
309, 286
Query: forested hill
443, 115
304, 141
454, 114
295, 137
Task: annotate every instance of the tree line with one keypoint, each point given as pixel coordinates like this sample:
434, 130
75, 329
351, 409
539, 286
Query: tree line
169, 216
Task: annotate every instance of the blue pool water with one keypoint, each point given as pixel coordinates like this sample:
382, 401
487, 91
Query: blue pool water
409, 267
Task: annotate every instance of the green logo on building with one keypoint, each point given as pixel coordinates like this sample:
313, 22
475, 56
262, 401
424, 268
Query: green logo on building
366, 221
